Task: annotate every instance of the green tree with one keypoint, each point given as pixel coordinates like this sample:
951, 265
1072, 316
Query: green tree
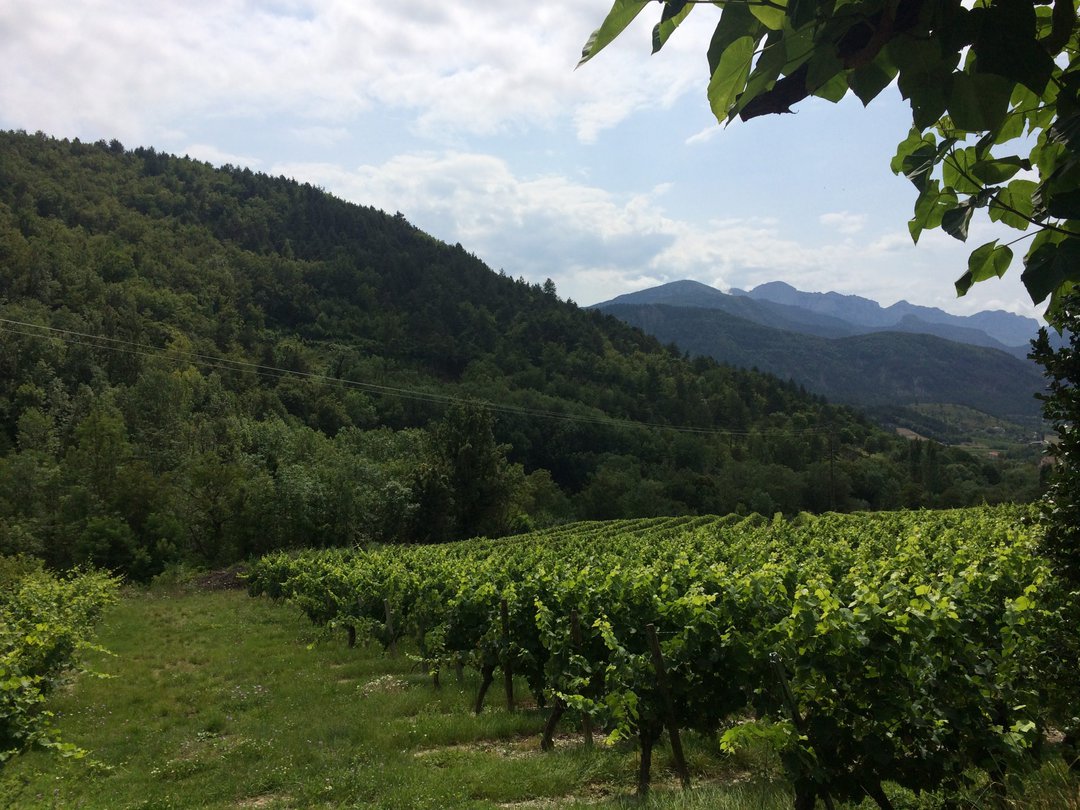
1062, 407
479, 480
994, 89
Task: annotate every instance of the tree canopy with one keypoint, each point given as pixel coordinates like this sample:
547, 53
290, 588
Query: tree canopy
994, 89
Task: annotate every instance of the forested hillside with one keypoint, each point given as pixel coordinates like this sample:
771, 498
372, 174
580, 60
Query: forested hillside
199, 364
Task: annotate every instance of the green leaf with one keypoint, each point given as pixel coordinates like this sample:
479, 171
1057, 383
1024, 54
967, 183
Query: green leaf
930, 208
988, 261
978, 101
674, 13
915, 58
783, 53
867, 82
1013, 204
834, 89
1012, 127
770, 64
925, 75
915, 140
824, 67
1055, 311
998, 170
956, 170
620, 16
1054, 260
1065, 205
929, 102
1019, 604
801, 12
956, 221
915, 158
736, 22
730, 75
1006, 44
1066, 130
770, 15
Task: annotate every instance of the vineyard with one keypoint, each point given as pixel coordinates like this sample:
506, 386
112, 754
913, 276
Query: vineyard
914, 648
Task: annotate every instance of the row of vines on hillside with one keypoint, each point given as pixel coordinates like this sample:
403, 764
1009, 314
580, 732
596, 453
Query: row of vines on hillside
914, 648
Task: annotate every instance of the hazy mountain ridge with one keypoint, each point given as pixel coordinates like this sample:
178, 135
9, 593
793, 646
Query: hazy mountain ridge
1003, 329
871, 368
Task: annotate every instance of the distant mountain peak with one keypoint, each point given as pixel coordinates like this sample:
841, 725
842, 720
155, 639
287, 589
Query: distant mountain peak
685, 292
1003, 329
832, 314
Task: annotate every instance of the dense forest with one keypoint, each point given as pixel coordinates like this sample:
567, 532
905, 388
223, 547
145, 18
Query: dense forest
201, 364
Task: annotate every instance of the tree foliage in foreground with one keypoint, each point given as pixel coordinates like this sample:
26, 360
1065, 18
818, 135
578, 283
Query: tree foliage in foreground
994, 89
1062, 407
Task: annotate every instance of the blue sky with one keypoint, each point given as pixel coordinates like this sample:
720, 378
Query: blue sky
470, 119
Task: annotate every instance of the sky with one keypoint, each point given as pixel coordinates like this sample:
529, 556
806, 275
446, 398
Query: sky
472, 121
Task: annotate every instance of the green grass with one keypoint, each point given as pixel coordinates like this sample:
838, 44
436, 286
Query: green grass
218, 700
221, 701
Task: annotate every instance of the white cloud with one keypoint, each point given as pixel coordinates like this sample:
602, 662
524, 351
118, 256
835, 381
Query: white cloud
596, 244
843, 222
704, 136
320, 136
339, 76
130, 70
889, 242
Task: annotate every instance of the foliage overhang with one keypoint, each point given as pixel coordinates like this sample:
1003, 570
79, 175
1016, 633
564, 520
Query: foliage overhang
994, 90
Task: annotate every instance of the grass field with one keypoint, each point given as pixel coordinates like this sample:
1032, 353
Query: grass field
218, 700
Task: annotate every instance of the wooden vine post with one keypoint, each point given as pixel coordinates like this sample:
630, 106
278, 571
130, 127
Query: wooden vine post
647, 737
391, 639
802, 798
575, 637
421, 643
547, 741
669, 708
508, 666
487, 675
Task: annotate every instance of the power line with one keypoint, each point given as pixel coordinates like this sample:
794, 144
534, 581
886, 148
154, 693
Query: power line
120, 345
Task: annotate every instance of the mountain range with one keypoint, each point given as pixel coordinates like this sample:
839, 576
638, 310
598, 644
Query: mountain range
847, 348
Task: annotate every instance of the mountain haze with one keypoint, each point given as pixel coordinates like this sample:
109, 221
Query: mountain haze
995, 329
781, 306
869, 371
846, 348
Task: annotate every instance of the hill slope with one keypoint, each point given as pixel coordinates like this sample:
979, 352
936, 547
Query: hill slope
200, 364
